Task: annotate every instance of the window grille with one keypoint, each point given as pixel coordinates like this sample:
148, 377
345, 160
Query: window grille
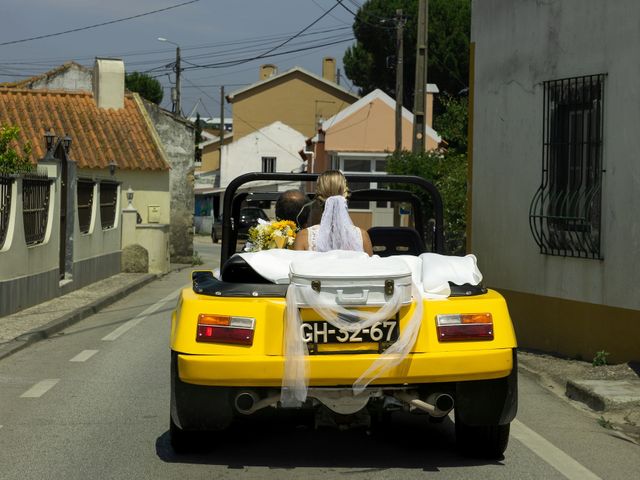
268, 164
35, 207
85, 203
5, 206
565, 213
108, 204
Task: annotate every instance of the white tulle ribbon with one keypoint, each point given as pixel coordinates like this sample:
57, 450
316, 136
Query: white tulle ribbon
295, 379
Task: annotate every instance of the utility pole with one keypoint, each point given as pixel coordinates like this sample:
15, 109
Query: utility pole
419, 97
399, 77
221, 121
178, 69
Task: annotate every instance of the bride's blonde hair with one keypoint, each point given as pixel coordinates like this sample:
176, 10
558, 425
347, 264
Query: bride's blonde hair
330, 183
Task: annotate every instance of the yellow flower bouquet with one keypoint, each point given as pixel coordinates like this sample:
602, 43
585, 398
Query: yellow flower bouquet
268, 235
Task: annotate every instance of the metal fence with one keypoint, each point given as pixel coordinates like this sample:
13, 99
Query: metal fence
5, 206
85, 203
108, 203
35, 203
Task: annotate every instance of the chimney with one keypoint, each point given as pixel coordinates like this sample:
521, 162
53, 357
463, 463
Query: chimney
268, 70
329, 69
108, 83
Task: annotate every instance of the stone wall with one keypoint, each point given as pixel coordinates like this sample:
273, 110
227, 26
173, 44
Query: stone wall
178, 140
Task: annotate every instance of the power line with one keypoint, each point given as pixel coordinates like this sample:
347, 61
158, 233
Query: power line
233, 63
267, 53
98, 24
53, 61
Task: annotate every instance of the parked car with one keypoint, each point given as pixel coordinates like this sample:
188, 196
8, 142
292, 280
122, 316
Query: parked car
216, 229
248, 218
231, 335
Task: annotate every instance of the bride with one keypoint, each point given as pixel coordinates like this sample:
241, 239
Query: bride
336, 231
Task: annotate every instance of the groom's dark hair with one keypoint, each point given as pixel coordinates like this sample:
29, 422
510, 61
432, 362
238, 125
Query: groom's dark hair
291, 205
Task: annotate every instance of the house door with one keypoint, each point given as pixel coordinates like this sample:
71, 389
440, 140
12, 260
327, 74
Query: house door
64, 182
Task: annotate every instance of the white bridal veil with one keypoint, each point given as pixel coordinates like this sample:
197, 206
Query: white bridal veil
337, 231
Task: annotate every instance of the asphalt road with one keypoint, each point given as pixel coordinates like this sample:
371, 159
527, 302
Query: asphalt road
93, 402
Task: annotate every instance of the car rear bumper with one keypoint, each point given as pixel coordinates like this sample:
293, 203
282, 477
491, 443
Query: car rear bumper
332, 370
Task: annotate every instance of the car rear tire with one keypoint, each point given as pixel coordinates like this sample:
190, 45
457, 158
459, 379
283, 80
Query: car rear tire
484, 441
182, 441
194, 410
214, 237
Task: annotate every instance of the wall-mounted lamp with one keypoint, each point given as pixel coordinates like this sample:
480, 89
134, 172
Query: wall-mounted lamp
49, 139
130, 198
112, 168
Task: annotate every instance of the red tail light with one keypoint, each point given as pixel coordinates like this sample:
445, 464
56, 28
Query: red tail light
225, 329
464, 327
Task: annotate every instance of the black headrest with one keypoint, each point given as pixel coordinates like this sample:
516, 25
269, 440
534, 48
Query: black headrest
387, 241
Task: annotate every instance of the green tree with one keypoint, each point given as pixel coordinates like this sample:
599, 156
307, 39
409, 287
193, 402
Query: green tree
448, 172
12, 158
452, 122
370, 63
148, 87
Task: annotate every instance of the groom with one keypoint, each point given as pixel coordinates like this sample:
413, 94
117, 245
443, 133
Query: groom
292, 205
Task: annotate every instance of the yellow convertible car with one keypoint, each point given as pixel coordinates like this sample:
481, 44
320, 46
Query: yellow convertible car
347, 337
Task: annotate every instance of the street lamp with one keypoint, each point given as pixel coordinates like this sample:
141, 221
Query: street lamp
66, 143
176, 103
49, 138
130, 198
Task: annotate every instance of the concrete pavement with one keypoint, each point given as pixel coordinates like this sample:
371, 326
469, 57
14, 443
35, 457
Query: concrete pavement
612, 391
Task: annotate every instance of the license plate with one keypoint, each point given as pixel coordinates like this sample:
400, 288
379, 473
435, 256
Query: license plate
323, 332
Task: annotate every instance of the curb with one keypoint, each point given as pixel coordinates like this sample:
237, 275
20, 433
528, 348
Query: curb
577, 392
571, 390
69, 319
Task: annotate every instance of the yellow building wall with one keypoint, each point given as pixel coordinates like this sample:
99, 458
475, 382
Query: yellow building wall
574, 329
150, 188
210, 158
296, 100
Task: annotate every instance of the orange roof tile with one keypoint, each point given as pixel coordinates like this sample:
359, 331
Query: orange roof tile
99, 136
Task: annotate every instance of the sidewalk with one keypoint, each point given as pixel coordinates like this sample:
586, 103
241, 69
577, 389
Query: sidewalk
41, 321
611, 393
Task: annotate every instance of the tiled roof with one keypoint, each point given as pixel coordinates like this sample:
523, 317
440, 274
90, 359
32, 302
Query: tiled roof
99, 136
291, 71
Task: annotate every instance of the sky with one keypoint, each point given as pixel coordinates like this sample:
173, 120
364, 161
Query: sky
219, 40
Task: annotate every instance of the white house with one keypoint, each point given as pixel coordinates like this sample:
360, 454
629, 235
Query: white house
274, 148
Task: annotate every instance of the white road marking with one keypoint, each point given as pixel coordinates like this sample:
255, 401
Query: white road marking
40, 388
84, 355
551, 454
125, 327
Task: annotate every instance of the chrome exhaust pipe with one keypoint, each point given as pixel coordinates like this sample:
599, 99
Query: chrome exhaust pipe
437, 404
245, 401
248, 402
443, 403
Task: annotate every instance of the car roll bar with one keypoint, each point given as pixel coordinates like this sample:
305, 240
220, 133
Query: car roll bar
228, 208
